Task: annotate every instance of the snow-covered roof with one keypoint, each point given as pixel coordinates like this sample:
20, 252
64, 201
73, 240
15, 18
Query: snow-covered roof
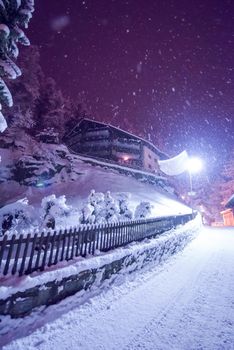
148, 143
230, 202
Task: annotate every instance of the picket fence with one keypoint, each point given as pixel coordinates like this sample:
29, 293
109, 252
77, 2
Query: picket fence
25, 254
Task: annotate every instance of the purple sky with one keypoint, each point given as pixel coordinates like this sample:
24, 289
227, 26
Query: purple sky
160, 67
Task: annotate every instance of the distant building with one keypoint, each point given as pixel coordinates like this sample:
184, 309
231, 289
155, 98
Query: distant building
228, 214
102, 141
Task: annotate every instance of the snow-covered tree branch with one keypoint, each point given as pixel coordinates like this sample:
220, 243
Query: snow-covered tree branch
14, 15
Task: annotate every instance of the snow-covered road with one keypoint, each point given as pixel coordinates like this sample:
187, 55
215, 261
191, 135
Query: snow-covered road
187, 303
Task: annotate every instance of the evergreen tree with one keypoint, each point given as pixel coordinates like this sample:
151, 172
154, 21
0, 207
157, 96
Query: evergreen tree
14, 15
26, 91
39, 105
51, 107
77, 111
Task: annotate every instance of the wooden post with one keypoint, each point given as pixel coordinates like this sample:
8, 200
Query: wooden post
21, 271
52, 249
39, 251
78, 242
2, 245
29, 268
68, 244
8, 259
64, 235
73, 242
58, 239
47, 241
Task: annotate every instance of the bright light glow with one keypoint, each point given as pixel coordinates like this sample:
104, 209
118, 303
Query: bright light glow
125, 158
40, 184
194, 165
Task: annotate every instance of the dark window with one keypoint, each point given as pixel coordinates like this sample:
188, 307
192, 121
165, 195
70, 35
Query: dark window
149, 156
150, 166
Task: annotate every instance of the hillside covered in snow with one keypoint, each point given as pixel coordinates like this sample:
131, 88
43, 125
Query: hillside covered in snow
32, 170
39, 169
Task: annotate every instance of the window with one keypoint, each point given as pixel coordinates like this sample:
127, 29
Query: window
150, 166
149, 156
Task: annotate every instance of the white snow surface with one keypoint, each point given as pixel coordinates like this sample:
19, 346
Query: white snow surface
176, 165
101, 180
186, 303
3, 123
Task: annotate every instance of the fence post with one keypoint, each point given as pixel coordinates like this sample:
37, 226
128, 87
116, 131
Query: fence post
82, 241
111, 235
94, 240
52, 248
85, 236
119, 233
68, 244
45, 250
57, 247
73, 242
64, 235
78, 234
19, 242
3, 245
29, 268
24, 255
104, 237
8, 259
101, 237
97, 235
39, 251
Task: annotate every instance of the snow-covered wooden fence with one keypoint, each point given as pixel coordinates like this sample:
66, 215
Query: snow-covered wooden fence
33, 252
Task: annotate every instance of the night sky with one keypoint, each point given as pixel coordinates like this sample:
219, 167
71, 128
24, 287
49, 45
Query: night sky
161, 68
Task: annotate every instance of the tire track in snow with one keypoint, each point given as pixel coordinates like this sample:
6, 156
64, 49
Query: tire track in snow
201, 320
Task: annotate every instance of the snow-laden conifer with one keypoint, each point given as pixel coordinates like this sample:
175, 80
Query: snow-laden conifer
14, 15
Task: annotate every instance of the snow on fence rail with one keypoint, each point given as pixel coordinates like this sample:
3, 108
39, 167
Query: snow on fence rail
26, 254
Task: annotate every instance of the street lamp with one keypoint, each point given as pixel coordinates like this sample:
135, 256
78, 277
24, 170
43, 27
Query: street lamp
194, 165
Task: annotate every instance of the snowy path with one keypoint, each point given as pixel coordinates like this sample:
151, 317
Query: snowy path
188, 303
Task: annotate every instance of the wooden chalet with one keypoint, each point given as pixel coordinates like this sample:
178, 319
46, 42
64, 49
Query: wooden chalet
106, 142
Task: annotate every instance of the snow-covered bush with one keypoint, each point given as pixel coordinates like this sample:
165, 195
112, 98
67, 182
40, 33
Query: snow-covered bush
105, 208
100, 208
87, 216
16, 217
143, 210
93, 210
97, 201
125, 213
111, 208
54, 210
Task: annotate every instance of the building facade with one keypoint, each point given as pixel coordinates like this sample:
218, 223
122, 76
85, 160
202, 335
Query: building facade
102, 141
228, 214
